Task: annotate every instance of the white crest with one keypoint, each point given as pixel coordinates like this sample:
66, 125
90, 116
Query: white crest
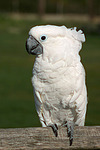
78, 35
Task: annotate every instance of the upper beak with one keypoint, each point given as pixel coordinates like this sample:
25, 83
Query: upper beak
33, 46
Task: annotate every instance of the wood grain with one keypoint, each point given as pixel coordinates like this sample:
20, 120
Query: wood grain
87, 137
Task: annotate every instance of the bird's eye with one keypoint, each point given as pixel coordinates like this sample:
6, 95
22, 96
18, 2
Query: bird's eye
43, 37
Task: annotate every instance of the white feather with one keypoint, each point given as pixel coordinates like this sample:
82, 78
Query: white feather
59, 77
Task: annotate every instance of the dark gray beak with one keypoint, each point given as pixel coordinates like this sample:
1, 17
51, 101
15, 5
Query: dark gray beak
33, 46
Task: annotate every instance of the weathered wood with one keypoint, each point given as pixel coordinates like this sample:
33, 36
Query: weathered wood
44, 139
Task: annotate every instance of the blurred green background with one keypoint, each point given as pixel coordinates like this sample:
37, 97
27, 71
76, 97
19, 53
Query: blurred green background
17, 107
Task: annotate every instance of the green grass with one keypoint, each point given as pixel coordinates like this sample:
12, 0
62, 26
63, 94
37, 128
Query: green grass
17, 107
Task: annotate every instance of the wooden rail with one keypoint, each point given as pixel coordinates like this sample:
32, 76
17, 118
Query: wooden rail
43, 138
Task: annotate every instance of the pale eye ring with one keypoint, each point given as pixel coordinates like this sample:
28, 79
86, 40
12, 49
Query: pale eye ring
43, 37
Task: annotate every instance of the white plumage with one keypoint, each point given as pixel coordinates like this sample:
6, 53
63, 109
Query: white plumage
58, 76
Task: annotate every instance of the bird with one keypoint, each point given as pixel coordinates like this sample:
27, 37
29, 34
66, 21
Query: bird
58, 80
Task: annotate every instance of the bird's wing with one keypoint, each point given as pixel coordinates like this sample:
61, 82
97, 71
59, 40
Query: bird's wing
79, 99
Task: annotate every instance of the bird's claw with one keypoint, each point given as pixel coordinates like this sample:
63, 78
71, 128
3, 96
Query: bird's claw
54, 128
69, 131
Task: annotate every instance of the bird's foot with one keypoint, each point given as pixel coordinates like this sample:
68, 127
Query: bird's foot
70, 129
54, 128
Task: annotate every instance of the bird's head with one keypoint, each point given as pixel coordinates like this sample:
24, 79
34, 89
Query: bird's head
53, 41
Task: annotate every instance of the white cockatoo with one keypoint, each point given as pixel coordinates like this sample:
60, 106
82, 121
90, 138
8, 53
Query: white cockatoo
58, 76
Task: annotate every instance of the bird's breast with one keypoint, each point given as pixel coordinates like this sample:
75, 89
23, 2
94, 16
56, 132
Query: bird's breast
55, 81
57, 84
